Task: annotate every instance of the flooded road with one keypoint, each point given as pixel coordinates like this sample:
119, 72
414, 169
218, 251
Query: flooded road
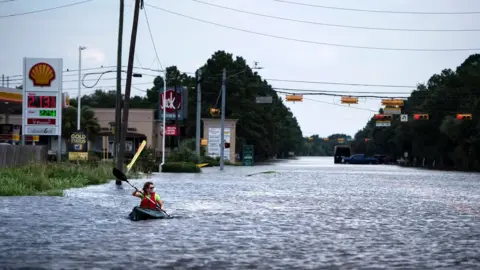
312, 214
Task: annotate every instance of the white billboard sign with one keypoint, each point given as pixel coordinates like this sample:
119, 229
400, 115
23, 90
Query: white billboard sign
42, 96
214, 145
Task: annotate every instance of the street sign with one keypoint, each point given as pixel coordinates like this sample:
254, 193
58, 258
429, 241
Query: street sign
42, 96
171, 131
265, 99
392, 110
404, 117
382, 123
248, 155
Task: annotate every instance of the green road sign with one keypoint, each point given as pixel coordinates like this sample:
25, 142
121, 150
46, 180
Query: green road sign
248, 155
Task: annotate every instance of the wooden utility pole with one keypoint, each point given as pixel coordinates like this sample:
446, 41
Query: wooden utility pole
128, 84
118, 102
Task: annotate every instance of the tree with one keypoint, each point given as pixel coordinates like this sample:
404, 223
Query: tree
443, 139
88, 121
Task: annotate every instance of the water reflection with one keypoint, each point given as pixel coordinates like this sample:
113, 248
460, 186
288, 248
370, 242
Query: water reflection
312, 214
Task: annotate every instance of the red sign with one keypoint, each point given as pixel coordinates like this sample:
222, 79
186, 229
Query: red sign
173, 100
43, 102
40, 121
171, 130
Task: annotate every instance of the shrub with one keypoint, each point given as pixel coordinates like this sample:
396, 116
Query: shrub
52, 178
180, 167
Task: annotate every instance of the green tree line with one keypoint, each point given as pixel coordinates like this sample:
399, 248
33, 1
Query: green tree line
271, 128
318, 146
442, 141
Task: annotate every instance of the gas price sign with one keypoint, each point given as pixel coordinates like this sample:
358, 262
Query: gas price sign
44, 102
42, 109
47, 113
42, 96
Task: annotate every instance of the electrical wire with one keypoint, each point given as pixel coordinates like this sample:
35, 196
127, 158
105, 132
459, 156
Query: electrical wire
341, 83
151, 37
338, 95
336, 91
314, 42
380, 11
336, 25
43, 10
339, 105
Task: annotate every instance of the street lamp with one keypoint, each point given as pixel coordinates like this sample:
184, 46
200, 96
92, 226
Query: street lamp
79, 98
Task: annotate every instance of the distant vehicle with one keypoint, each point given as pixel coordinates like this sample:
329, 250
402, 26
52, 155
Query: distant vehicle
360, 159
340, 152
382, 159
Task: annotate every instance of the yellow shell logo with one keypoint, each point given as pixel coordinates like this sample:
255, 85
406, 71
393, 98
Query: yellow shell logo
42, 74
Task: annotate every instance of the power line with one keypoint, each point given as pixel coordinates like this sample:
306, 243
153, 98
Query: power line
43, 10
339, 105
380, 11
314, 42
336, 95
336, 25
342, 83
336, 91
151, 37
268, 79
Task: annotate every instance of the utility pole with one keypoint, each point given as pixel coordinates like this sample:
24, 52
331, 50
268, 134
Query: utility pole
3, 80
118, 101
199, 112
128, 84
79, 98
222, 120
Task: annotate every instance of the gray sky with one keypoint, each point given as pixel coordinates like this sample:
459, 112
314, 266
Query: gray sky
188, 44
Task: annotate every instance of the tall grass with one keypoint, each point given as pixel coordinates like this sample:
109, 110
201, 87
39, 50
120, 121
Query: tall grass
52, 178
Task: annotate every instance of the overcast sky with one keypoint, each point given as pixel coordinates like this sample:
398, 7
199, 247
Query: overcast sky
187, 44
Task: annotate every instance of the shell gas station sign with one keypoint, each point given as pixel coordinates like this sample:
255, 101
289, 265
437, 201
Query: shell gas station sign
42, 96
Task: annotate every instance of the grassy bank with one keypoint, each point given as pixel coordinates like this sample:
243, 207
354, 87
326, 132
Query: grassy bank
52, 178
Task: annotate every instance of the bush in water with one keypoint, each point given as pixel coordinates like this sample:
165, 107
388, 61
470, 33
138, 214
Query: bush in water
52, 178
180, 167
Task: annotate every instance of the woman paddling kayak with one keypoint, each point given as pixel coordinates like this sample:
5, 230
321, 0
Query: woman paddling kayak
148, 188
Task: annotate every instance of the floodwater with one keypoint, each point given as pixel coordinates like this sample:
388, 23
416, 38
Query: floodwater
312, 214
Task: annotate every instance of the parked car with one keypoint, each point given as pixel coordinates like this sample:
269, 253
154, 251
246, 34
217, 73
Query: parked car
360, 159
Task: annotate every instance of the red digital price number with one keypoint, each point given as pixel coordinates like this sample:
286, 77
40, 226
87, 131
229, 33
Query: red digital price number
44, 102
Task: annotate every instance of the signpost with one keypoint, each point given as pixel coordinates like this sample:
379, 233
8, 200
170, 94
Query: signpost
173, 101
248, 155
77, 147
404, 117
42, 98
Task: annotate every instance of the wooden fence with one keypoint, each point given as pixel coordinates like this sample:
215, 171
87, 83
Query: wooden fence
16, 155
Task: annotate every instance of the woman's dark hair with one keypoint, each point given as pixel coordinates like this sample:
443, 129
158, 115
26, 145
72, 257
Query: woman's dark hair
145, 187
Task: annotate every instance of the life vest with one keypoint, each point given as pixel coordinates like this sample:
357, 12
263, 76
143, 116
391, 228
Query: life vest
146, 203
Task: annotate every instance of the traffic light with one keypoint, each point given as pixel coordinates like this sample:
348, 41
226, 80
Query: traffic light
227, 145
366, 140
349, 100
393, 102
464, 116
383, 117
421, 116
214, 112
298, 98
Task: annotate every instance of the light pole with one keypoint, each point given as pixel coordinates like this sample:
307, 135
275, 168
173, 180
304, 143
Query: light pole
79, 98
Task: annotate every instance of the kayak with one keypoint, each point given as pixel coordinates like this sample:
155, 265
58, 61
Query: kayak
145, 213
